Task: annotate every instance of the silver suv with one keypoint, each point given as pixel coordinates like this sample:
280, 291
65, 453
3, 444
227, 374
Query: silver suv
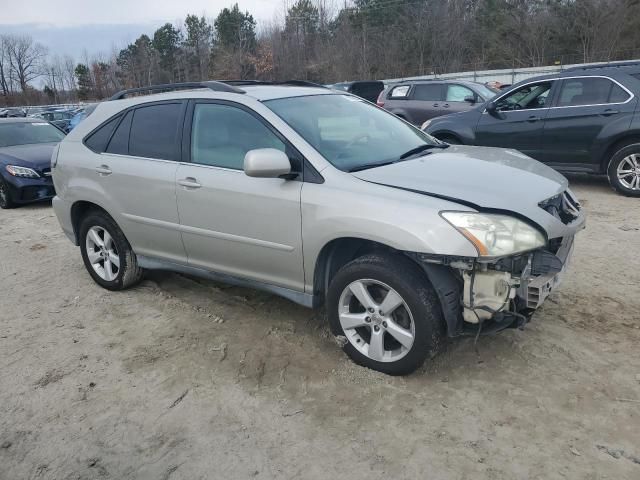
320, 197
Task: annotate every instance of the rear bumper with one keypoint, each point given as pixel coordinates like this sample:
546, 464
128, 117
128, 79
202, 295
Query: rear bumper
62, 210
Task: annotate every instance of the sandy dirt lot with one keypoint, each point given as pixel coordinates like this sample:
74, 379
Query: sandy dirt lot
186, 379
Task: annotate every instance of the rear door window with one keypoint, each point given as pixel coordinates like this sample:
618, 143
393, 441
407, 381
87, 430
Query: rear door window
589, 91
430, 92
154, 131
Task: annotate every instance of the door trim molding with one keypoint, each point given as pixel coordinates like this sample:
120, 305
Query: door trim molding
208, 233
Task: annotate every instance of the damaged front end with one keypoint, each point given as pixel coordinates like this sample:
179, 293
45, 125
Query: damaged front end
491, 295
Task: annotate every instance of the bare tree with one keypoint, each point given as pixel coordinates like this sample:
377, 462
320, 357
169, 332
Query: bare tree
26, 59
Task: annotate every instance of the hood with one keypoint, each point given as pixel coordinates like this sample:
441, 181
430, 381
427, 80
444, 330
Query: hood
36, 156
484, 178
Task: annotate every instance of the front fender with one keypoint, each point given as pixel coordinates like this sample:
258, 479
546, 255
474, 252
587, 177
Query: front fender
402, 220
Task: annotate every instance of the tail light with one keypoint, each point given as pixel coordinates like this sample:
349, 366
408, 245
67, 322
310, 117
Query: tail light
380, 100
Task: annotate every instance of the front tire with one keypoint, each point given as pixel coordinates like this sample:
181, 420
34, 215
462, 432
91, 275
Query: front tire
388, 311
624, 170
6, 201
106, 253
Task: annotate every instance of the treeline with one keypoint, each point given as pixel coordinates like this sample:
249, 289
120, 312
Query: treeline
334, 40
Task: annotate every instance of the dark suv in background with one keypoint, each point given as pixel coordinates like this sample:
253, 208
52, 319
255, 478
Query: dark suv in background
580, 120
419, 100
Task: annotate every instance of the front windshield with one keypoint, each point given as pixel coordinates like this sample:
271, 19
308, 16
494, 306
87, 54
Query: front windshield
348, 131
25, 133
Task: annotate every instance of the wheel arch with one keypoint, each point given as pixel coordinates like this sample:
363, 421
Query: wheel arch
617, 144
80, 210
335, 254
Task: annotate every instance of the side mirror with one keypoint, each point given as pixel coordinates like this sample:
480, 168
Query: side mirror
266, 163
470, 99
491, 107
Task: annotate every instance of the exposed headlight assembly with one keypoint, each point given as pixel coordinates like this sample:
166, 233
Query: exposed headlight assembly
495, 235
25, 172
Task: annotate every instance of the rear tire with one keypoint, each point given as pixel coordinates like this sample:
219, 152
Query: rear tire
624, 170
395, 342
6, 201
106, 253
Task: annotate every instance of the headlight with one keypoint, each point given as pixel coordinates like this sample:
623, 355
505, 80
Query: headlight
22, 171
495, 235
425, 125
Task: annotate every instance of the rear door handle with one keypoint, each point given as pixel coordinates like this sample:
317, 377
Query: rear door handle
610, 111
533, 118
189, 182
446, 105
103, 170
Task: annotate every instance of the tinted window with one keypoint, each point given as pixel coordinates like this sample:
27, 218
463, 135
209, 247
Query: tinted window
120, 141
154, 131
428, 92
222, 135
526, 97
585, 91
98, 140
457, 93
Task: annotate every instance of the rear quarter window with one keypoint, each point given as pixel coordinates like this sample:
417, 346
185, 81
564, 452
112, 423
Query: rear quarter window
401, 91
98, 140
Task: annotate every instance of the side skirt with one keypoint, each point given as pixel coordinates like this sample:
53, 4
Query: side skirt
301, 298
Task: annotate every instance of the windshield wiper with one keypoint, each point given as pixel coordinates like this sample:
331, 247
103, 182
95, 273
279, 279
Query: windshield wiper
420, 149
368, 165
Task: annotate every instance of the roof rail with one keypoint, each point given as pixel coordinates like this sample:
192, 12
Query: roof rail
212, 85
293, 83
604, 65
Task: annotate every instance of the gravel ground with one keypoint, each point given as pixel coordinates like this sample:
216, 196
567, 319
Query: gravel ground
184, 379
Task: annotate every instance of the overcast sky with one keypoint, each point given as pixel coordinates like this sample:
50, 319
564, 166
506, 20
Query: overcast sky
70, 26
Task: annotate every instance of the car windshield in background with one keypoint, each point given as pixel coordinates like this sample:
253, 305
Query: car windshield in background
350, 132
26, 133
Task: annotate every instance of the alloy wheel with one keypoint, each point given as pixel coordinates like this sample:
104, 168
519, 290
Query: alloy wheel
102, 253
376, 320
628, 172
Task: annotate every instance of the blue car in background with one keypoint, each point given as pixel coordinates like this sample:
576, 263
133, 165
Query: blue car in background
79, 116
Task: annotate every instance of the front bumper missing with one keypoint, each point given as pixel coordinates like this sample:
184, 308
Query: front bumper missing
534, 290
496, 295
506, 299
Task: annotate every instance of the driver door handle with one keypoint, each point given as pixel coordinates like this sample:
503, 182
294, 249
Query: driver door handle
189, 183
609, 111
533, 118
104, 170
